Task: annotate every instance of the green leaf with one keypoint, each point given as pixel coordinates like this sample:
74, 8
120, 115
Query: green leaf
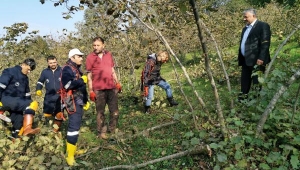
238, 155
202, 134
239, 123
222, 157
217, 167
242, 163
183, 8
176, 116
189, 134
261, 80
213, 145
11, 162
273, 157
195, 141
264, 166
294, 161
67, 17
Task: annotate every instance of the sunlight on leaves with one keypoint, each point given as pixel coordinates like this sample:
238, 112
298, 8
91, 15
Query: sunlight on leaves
119, 158
242, 163
261, 80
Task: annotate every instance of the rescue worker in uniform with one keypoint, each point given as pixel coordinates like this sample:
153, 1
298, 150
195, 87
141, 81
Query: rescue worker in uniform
151, 76
72, 79
50, 78
15, 97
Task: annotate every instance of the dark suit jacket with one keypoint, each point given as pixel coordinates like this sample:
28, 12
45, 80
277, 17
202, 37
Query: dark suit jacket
257, 44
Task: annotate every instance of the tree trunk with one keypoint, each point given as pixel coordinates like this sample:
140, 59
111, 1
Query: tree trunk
271, 105
221, 60
209, 72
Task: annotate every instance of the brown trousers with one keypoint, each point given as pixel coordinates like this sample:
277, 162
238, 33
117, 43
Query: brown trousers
110, 98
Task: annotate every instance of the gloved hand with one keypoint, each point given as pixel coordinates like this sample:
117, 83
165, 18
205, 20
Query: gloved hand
146, 88
93, 96
119, 87
1, 104
34, 105
39, 92
86, 106
84, 78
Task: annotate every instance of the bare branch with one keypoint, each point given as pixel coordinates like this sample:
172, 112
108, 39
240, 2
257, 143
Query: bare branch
273, 102
197, 150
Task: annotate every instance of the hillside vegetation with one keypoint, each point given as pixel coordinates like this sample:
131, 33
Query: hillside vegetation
190, 135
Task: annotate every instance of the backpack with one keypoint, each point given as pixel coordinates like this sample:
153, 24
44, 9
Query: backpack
66, 96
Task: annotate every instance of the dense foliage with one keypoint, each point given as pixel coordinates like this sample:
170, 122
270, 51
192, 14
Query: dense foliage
144, 138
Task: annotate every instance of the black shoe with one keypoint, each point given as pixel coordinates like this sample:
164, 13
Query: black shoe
172, 101
147, 110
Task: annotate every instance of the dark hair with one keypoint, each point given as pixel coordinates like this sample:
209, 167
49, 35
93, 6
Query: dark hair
51, 57
30, 62
98, 39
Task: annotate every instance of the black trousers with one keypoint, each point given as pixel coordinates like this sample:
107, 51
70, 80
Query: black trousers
52, 104
247, 79
17, 106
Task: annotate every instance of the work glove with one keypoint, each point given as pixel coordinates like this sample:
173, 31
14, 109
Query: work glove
86, 106
84, 78
34, 105
146, 88
119, 87
1, 104
39, 92
93, 96
60, 116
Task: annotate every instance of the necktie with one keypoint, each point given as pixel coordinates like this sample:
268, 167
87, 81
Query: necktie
245, 36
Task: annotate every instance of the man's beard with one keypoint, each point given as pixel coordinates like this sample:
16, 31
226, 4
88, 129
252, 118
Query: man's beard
95, 51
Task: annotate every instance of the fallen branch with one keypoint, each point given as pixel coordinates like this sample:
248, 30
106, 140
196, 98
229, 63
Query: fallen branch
197, 150
95, 149
146, 131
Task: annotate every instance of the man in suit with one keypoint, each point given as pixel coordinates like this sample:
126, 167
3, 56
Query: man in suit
254, 50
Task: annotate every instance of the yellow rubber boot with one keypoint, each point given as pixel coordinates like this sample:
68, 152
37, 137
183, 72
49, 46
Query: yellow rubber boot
71, 149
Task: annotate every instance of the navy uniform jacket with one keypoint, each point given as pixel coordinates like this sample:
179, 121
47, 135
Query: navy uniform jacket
51, 80
151, 72
14, 87
71, 80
